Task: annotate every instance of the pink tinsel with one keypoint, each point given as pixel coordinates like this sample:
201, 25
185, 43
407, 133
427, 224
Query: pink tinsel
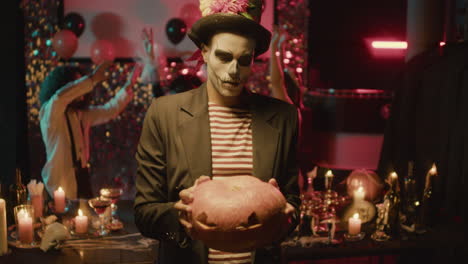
229, 6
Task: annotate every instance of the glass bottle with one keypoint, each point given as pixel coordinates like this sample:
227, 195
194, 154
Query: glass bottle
426, 202
18, 191
411, 202
392, 197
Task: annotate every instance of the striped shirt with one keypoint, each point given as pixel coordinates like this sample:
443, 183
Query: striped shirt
231, 154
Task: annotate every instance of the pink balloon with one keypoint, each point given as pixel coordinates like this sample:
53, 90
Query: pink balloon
65, 43
102, 50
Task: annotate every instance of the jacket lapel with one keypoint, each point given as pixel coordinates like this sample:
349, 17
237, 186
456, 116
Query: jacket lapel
265, 139
194, 130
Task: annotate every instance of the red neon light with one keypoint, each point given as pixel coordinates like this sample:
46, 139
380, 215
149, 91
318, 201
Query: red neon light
389, 44
377, 44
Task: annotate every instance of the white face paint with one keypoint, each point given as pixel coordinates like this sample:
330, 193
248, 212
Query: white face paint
228, 59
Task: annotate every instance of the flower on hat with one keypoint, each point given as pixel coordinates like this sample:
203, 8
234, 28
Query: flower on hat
209, 7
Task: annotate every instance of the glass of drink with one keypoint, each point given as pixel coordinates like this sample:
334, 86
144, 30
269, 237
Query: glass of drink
100, 204
114, 195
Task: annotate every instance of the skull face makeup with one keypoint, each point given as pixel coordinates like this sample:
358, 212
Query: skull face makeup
228, 59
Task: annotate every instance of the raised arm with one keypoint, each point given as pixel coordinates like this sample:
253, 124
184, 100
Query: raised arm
74, 89
100, 114
150, 60
278, 89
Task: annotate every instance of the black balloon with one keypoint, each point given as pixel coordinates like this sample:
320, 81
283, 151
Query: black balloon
74, 22
176, 30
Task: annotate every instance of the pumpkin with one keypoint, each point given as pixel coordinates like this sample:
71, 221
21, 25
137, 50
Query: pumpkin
237, 214
368, 179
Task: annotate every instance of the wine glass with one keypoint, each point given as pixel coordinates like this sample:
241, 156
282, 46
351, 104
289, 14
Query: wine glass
114, 195
100, 204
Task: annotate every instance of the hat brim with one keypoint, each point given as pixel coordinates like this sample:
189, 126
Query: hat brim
204, 28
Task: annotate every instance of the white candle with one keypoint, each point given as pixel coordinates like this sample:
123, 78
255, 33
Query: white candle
3, 228
81, 223
433, 170
25, 228
59, 200
393, 177
359, 194
354, 224
328, 180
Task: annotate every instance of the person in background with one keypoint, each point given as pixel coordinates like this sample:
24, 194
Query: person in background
183, 138
66, 117
150, 74
284, 83
287, 86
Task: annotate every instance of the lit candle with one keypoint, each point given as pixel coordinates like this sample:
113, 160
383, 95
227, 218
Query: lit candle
81, 223
393, 178
433, 170
359, 194
328, 180
3, 228
25, 227
354, 224
59, 200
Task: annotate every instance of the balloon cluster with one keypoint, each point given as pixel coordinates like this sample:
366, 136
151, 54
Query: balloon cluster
176, 30
65, 41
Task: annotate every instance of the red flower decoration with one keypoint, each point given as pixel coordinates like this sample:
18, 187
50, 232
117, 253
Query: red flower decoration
229, 6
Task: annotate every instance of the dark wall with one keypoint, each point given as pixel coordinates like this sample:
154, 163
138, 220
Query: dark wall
12, 115
336, 42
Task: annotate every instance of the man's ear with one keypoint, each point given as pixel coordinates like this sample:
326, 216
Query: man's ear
204, 51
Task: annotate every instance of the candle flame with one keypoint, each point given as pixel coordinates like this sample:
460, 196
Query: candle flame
80, 213
23, 213
433, 170
393, 175
329, 173
60, 189
356, 215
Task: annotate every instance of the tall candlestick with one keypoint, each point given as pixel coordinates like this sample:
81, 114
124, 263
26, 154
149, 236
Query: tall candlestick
328, 180
25, 228
59, 200
3, 228
81, 223
354, 224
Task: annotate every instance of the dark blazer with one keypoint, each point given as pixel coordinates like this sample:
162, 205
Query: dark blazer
175, 149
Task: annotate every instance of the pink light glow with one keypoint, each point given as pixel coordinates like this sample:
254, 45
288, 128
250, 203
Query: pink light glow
299, 70
389, 44
184, 71
377, 44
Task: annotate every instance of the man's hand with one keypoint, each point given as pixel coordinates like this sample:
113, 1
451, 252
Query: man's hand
184, 208
99, 73
148, 43
288, 212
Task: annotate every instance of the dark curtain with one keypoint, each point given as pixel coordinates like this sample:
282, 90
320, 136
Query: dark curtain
429, 123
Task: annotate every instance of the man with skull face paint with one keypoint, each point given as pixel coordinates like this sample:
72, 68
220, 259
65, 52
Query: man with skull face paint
184, 134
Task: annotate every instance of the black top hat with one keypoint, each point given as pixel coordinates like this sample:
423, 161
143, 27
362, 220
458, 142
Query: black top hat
235, 16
